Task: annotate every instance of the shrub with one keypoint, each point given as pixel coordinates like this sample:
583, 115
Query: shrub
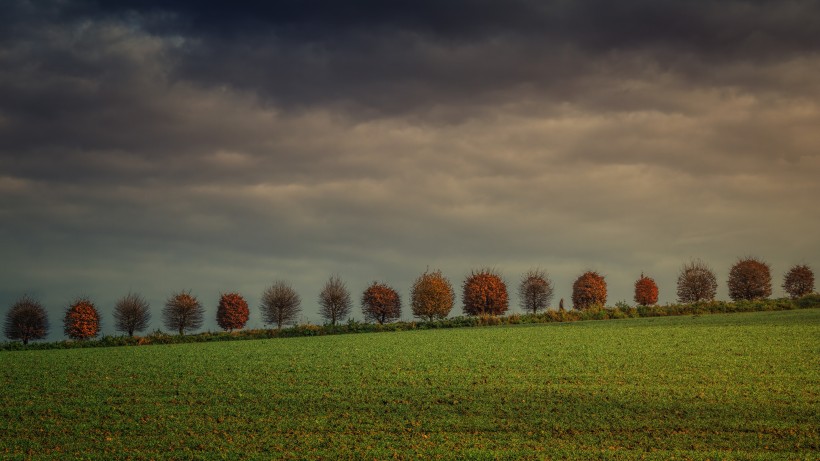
131, 314
750, 278
589, 290
280, 304
432, 296
183, 312
232, 312
484, 292
381, 303
799, 281
27, 320
696, 282
535, 291
646, 291
334, 301
82, 320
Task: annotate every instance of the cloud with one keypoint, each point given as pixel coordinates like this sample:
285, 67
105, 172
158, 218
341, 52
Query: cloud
162, 146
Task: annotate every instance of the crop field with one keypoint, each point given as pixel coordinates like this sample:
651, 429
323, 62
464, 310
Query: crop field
734, 386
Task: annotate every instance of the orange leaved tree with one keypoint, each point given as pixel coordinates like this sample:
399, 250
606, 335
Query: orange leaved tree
381, 303
82, 320
232, 312
750, 278
26, 320
484, 292
799, 281
646, 291
432, 296
589, 290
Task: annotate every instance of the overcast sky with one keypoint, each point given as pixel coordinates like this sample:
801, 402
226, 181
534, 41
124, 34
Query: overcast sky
155, 146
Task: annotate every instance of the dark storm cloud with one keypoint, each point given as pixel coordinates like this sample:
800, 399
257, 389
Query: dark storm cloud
205, 145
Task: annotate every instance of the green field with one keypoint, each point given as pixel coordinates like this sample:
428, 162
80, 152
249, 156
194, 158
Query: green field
733, 386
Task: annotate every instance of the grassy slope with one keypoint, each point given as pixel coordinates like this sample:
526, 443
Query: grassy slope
722, 386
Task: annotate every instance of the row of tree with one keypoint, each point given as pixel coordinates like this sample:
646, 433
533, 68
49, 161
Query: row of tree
484, 293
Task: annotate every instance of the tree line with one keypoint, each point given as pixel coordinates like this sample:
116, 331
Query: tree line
432, 297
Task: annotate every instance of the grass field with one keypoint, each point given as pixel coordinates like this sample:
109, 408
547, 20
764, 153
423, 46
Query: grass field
734, 386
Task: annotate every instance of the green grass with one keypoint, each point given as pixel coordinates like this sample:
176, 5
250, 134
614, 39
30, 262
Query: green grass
739, 386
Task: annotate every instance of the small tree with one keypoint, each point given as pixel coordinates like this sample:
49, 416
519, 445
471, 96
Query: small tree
646, 291
27, 320
589, 290
696, 282
82, 320
484, 292
535, 291
750, 278
131, 314
232, 312
381, 303
183, 312
799, 281
334, 301
280, 304
432, 296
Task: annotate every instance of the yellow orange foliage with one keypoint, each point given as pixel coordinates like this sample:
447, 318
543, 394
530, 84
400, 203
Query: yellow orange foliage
432, 296
589, 290
381, 303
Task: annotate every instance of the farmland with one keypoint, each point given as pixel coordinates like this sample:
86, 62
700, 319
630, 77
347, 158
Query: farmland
742, 386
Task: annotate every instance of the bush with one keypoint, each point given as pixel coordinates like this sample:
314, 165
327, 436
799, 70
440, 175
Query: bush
131, 314
484, 293
27, 320
696, 282
799, 281
646, 291
183, 312
432, 296
749, 279
232, 312
280, 304
82, 320
535, 291
381, 303
589, 290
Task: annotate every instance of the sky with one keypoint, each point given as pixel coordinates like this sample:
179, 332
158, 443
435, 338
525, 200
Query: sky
159, 146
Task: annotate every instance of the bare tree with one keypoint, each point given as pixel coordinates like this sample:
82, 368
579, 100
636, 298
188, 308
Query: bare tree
280, 304
696, 282
535, 291
131, 314
334, 301
183, 312
26, 320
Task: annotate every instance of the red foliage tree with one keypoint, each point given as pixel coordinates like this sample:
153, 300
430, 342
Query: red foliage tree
432, 296
646, 291
589, 290
26, 320
484, 292
799, 281
82, 320
232, 312
381, 303
750, 278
